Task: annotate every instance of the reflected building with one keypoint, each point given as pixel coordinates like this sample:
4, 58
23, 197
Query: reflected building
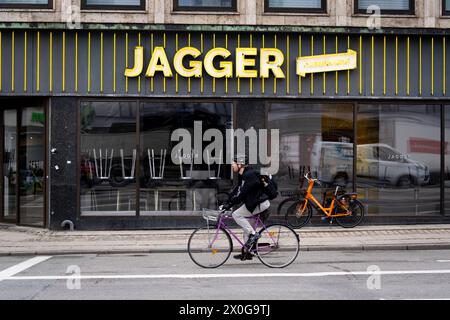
96, 133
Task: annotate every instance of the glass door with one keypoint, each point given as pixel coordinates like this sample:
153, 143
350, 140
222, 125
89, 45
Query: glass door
23, 169
9, 165
31, 163
447, 161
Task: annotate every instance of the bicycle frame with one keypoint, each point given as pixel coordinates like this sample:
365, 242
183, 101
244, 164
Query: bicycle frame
222, 225
326, 210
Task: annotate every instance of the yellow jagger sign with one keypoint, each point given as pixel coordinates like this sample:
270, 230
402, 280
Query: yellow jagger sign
326, 62
245, 65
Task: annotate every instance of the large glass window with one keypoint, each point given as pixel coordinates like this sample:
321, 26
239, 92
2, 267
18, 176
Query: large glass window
205, 5
183, 165
316, 138
447, 161
398, 159
179, 157
26, 3
295, 5
386, 6
113, 4
108, 158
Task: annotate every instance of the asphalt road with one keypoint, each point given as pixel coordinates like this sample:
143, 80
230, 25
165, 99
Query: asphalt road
314, 275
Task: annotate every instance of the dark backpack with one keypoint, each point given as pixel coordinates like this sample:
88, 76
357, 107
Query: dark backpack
269, 185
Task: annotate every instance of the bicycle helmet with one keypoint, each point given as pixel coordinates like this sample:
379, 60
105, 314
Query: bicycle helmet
241, 159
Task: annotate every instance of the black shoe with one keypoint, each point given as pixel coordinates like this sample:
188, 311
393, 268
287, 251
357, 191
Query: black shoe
244, 256
252, 240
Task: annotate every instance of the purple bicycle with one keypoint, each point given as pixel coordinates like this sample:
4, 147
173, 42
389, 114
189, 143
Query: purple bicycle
211, 246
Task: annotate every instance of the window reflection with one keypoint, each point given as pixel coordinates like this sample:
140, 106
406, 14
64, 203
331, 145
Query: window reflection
385, 4
316, 4
398, 158
205, 3
108, 157
113, 2
112, 156
24, 2
179, 179
313, 138
387, 165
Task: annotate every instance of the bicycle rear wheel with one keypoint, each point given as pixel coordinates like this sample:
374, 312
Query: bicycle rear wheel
278, 246
209, 248
355, 218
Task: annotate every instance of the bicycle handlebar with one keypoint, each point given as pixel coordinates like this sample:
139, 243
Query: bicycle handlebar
306, 177
315, 180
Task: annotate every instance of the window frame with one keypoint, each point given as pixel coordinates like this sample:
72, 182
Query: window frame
49, 5
410, 11
177, 7
140, 7
322, 9
445, 10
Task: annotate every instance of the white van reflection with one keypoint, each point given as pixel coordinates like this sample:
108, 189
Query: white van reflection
332, 162
382, 162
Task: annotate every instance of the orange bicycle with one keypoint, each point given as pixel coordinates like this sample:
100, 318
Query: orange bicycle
345, 208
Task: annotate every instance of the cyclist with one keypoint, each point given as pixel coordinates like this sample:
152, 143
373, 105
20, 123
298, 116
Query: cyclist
248, 192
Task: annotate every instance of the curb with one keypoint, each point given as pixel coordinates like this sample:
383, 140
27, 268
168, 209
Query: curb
387, 247
380, 247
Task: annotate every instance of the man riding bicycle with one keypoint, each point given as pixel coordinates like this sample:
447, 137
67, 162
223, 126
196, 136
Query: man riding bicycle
249, 191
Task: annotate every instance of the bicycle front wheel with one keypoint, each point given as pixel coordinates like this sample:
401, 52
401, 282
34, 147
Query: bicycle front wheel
298, 213
209, 248
278, 246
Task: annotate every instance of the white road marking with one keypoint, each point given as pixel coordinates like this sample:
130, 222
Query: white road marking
429, 299
7, 273
442, 260
230, 275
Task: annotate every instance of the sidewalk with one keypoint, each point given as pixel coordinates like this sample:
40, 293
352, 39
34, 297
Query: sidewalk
15, 240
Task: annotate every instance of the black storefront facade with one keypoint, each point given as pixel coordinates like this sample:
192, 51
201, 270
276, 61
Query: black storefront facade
85, 143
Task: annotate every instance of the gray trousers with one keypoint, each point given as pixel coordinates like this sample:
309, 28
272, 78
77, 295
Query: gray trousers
247, 225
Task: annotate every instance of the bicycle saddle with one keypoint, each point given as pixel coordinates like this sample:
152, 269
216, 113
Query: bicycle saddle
346, 195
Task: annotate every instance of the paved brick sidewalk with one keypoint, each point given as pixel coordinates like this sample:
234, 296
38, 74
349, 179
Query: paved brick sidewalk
15, 240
